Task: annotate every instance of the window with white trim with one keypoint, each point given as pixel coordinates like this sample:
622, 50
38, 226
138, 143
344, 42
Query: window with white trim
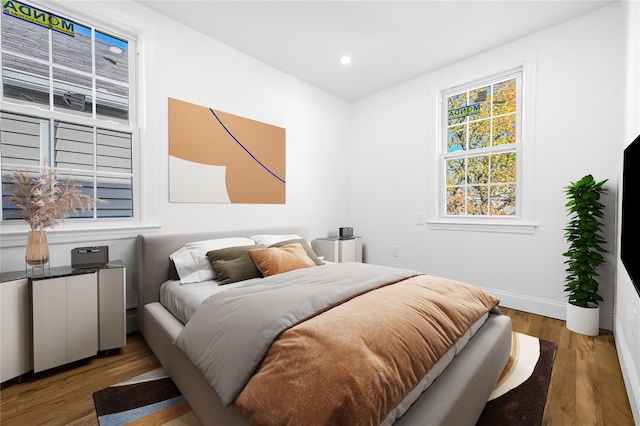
67, 101
480, 154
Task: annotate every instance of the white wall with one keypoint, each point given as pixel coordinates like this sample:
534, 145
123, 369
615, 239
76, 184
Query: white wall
186, 65
578, 130
178, 62
627, 301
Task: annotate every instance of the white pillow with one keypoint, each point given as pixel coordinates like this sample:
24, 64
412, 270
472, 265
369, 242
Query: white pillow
270, 239
191, 260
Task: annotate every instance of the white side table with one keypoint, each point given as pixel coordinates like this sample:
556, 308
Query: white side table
335, 249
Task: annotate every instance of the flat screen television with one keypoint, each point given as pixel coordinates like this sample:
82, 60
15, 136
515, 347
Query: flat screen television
630, 234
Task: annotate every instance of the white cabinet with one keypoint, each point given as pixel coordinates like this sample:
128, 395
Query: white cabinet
339, 250
15, 328
65, 320
60, 316
112, 308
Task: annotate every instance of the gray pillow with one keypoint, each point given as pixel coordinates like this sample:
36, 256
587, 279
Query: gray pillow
233, 264
305, 245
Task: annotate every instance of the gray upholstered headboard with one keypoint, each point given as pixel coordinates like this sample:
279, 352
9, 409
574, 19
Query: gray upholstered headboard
153, 250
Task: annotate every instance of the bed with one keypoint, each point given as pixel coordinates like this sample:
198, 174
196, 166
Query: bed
456, 395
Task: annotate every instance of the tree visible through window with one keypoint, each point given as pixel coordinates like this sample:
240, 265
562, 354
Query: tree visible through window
481, 148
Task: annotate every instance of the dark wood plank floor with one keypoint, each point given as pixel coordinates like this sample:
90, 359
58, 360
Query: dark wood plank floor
586, 383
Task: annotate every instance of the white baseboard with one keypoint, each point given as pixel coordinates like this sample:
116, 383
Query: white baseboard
547, 308
629, 373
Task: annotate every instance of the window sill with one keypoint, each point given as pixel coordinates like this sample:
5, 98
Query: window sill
90, 235
510, 228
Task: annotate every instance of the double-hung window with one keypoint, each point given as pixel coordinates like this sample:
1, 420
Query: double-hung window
483, 174
481, 149
67, 101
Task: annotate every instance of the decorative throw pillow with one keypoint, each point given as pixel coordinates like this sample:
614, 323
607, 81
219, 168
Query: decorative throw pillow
191, 260
234, 264
305, 245
277, 260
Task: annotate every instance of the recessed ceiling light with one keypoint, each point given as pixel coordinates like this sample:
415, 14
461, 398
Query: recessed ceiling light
345, 60
115, 50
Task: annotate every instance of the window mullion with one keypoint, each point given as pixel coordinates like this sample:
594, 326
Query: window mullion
95, 165
482, 151
51, 144
466, 184
466, 157
51, 94
94, 105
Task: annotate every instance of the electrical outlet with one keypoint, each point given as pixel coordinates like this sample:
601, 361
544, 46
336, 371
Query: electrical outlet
394, 251
420, 219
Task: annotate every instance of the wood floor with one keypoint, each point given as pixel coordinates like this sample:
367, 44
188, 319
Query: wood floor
64, 395
586, 383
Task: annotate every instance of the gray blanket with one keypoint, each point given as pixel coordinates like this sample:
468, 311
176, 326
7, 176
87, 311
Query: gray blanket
231, 332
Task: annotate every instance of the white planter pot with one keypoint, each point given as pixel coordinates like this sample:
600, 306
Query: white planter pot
583, 320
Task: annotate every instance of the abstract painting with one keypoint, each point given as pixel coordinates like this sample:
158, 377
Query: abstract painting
217, 157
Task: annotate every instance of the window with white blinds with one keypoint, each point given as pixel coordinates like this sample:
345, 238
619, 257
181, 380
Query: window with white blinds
66, 102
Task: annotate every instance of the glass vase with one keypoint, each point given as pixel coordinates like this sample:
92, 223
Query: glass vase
37, 249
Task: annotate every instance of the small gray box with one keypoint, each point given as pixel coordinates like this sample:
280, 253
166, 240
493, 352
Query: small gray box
89, 257
346, 233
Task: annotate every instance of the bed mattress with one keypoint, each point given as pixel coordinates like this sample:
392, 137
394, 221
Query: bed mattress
182, 300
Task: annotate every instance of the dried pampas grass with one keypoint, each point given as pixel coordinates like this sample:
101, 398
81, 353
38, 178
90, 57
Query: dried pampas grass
45, 200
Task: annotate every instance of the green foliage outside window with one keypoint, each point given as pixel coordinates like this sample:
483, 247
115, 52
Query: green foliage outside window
480, 167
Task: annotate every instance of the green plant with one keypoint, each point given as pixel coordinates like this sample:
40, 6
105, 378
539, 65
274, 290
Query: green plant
583, 233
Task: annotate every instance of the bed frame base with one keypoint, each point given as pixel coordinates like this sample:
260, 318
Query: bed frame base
161, 329
456, 397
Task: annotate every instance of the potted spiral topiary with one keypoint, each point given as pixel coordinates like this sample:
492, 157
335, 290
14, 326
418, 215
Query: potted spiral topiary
584, 235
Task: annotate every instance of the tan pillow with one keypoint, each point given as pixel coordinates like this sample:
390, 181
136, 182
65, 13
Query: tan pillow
305, 245
276, 260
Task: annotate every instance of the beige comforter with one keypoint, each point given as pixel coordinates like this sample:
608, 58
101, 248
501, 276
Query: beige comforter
352, 364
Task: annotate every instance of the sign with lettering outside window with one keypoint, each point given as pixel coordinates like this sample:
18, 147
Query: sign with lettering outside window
38, 17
